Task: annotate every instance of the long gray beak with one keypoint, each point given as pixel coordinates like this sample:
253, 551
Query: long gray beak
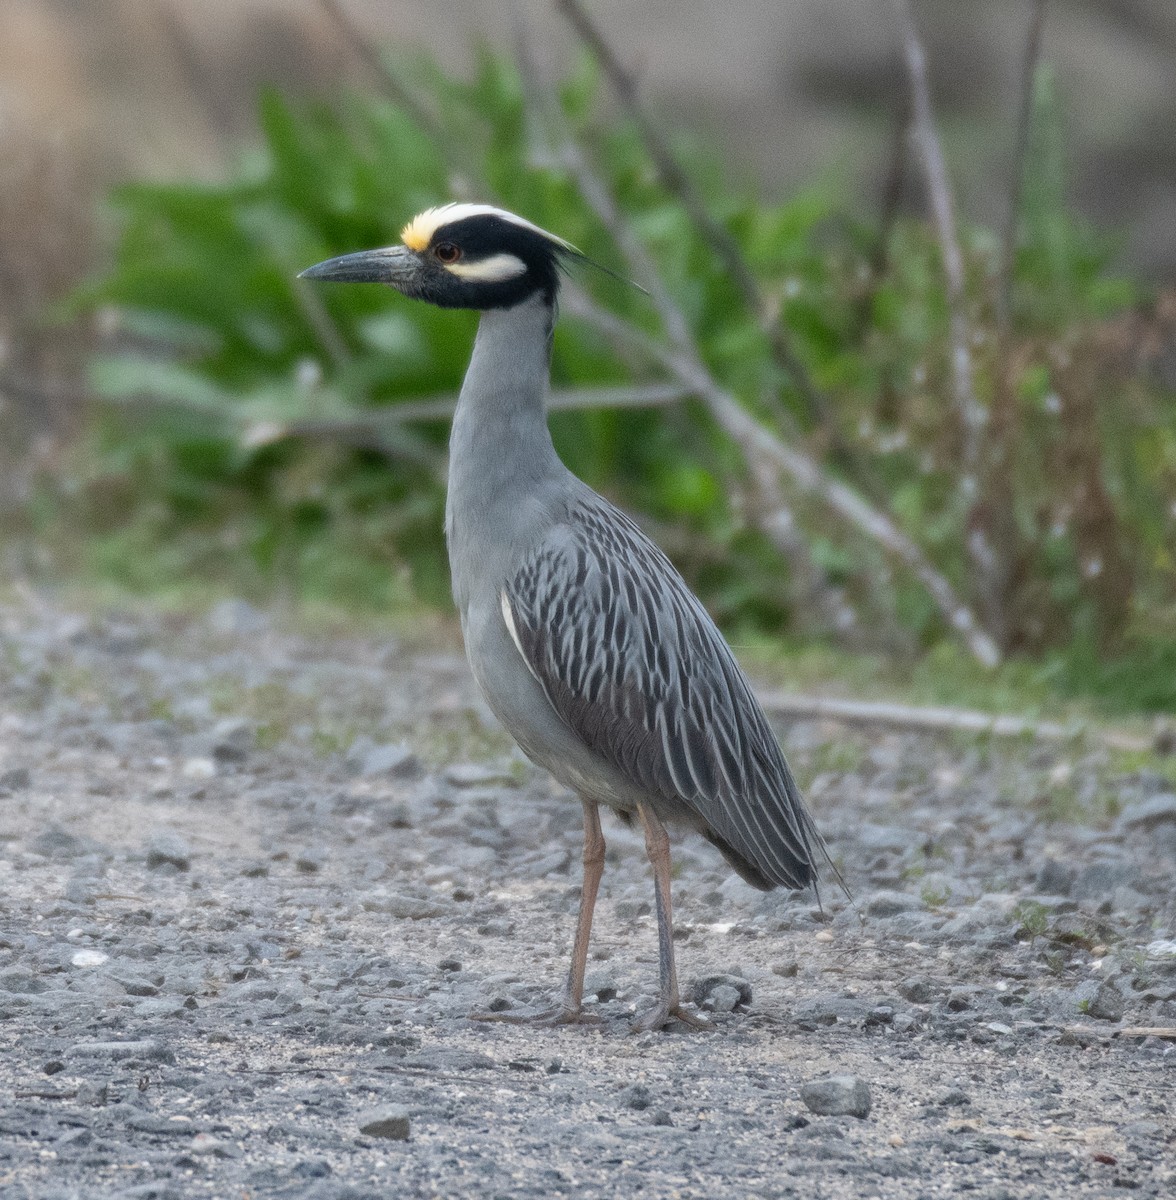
393, 265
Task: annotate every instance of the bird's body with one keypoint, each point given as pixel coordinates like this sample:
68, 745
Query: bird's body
585, 641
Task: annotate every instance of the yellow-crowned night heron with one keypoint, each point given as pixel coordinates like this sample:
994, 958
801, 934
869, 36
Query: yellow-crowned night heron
584, 639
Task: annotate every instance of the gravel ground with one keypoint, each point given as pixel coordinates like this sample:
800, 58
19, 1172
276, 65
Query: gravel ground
254, 884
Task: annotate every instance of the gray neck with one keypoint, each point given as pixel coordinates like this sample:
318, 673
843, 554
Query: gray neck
500, 451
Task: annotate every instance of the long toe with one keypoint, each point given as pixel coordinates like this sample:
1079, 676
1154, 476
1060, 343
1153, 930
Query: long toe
664, 1014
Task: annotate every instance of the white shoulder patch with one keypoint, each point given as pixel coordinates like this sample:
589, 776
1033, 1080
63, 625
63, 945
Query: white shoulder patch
508, 618
418, 233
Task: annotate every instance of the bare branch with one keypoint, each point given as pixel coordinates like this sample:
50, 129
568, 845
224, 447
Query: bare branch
442, 408
1017, 173
890, 206
724, 246
973, 415
947, 720
310, 303
759, 444
990, 566
812, 591
366, 51
383, 430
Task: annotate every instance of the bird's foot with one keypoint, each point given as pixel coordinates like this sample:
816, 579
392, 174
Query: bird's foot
559, 1014
663, 1013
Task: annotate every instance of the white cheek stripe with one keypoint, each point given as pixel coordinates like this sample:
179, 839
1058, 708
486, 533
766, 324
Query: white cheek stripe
508, 617
498, 268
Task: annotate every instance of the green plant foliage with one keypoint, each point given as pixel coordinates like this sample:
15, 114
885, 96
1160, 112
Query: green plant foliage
221, 355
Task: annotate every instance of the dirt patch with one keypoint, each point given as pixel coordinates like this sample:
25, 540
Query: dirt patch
255, 884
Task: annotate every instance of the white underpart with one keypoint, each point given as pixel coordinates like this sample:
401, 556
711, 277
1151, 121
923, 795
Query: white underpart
498, 268
508, 617
419, 231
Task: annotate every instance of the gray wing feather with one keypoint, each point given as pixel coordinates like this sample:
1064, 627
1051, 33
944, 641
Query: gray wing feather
633, 663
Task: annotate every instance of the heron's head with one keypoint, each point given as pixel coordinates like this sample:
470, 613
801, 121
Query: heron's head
460, 256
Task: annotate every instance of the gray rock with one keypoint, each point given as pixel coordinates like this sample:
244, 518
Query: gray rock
1055, 878
714, 992
150, 1050
1107, 1003
310, 860
894, 838
168, 849
831, 1010
393, 759
1100, 879
1146, 815
83, 890
449, 1058
21, 982
918, 989
163, 1006
837, 1096
723, 999
408, 908
150, 1191
390, 1121
890, 904
16, 779
602, 986
59, 843
231, 740
637, 1097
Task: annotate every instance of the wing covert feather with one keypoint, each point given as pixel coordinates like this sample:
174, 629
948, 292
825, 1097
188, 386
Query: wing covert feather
635, 666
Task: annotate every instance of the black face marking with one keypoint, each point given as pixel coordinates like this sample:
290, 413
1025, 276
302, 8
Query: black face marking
477, 239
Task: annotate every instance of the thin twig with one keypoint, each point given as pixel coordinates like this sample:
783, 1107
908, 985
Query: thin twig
1004, 428
947, 720
310, 303
973, 416
366, 51
717, 237
760, 444
890, 206
429, 408
990, 569
1008, 254
813, 592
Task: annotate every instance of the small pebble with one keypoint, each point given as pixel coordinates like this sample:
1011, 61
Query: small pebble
637, 1096
16, 779
365, 758
837, 1096
89, 958
198, 767
390, 1122
168, 849
309, 861
917, 990
721, 993
1107, 1003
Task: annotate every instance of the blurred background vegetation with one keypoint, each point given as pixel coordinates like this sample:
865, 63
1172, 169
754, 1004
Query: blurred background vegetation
928, 420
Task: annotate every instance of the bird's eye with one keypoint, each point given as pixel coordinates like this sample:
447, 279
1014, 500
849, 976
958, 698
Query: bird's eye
447, 252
